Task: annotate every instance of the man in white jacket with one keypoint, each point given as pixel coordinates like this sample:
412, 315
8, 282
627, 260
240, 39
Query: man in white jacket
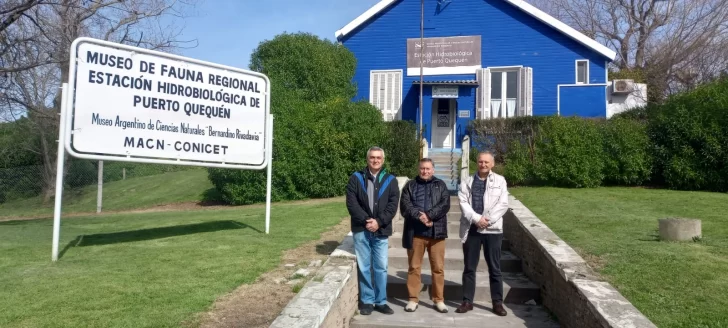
483, 201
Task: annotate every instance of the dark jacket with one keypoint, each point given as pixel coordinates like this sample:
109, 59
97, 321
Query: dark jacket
439, 205
386, 195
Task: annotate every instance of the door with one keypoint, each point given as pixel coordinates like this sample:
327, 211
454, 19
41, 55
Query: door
503, 93
443, 123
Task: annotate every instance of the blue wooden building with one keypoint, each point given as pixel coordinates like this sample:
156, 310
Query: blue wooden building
481, 59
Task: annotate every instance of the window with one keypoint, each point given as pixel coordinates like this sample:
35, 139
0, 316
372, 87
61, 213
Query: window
385, 93
505, 92
582, 72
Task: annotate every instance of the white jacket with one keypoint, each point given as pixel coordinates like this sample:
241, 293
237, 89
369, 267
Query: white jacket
495, 204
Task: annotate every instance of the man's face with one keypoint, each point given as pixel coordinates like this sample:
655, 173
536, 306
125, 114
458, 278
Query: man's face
485, 163
375, 160
426, 170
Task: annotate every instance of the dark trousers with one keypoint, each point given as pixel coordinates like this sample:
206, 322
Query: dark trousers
492, 252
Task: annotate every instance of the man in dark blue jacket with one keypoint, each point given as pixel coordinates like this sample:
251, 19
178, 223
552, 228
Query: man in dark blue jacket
372, 196
424, 206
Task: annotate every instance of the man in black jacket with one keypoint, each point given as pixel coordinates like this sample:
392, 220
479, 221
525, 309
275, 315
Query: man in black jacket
371, 198
424, 205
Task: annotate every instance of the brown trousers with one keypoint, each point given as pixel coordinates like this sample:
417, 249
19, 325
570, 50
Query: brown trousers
436, 252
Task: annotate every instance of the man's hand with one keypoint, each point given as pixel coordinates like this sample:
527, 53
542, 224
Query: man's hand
372, 225
483, 223
425, 220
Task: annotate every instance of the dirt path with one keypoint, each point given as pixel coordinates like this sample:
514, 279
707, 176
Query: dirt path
258, 304
186, 206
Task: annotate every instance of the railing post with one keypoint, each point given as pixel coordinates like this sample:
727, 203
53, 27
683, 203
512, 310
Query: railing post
465, 160
424, 147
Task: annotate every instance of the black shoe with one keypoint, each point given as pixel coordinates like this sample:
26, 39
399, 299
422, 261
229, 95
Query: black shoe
384, 309
366, 309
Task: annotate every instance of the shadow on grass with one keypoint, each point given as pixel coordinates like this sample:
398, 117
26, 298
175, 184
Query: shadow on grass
154, 233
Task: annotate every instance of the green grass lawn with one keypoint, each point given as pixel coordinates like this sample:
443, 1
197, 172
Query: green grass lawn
144, 270
141, 192
673, 284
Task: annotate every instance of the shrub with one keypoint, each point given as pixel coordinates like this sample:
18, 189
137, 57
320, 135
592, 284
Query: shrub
402, 149
568, 153
689, 133
627, 160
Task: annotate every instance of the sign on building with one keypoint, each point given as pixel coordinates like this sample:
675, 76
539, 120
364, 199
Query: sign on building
444, 91
445, 55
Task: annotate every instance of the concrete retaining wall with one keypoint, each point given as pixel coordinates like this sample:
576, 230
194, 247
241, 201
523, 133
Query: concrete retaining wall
330, 298
569, 287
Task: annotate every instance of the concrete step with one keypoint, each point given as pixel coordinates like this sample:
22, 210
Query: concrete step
453, 225
517, 289
452, 241
519, 316
454, 261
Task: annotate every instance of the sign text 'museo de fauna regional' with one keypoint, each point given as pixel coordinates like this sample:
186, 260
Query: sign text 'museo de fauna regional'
140, 105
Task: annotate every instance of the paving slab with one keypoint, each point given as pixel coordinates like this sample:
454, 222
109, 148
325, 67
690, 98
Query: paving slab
519, 316
453, 261
517, 289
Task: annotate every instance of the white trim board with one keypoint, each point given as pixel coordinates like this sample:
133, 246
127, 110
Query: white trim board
520, 4
415, 71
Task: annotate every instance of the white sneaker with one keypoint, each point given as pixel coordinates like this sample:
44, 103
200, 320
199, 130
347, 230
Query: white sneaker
440, 306
411, 307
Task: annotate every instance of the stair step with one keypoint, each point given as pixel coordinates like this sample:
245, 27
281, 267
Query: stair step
453, 226
454, 261
452, 241
519, 316
517, 289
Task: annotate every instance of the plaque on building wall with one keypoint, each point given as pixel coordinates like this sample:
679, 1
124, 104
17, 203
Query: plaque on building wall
444, 91
444, 55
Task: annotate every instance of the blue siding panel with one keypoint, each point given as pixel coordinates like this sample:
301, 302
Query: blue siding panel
509, 37
586, 101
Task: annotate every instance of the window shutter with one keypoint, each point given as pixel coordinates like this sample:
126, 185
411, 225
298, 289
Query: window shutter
386, 93
522, 93
397, 94
485, 94
529, 91
479, 95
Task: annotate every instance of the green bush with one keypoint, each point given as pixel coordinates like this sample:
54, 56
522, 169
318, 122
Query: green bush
517, 164
568, 153
627, 160
689, 133
401, 147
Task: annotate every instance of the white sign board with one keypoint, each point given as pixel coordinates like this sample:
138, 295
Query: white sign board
144, 106
444, 91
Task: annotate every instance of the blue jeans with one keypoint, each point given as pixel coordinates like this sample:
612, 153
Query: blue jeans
371, 253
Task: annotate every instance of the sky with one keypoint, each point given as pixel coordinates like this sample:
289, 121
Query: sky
228, 31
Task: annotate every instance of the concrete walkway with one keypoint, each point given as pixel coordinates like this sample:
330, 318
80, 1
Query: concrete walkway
519, 293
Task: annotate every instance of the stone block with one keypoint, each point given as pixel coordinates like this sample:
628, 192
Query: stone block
677, 229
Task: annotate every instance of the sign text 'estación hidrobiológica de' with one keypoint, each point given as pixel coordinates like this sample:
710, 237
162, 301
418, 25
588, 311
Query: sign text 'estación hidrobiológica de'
137, 104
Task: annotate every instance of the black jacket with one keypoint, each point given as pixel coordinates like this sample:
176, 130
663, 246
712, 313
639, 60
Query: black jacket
386, 195
439, 200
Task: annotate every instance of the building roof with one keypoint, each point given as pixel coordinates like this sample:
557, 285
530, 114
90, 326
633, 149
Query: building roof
520, 4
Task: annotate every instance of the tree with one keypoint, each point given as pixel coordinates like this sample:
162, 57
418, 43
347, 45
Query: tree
672, 44
35, 41
316, 68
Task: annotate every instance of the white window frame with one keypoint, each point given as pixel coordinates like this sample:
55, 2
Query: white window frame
576, 71
524, 98
397, 103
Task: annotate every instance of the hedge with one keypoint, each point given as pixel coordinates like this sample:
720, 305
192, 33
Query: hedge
679, 144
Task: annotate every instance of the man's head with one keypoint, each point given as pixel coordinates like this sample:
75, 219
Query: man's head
375, 159
427, 169
486, 161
